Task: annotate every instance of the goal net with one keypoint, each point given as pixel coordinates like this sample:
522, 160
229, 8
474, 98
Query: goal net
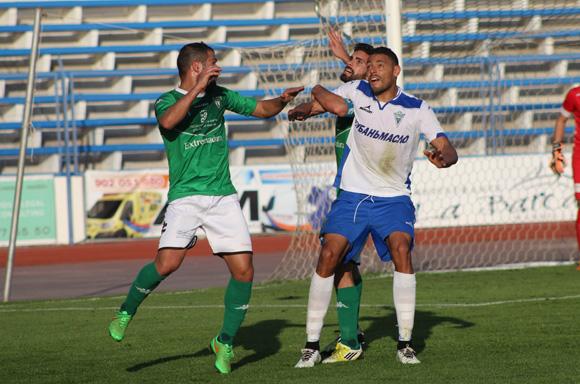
495, 72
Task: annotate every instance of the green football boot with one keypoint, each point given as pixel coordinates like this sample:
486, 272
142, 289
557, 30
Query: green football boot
119, 325
224, 353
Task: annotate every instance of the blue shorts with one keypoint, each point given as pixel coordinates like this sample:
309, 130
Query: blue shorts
355, 216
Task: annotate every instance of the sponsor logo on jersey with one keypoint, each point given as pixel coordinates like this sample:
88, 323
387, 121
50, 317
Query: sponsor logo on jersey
367, 109
380, 135
164, 227
218, 102
203, 115
399, 116
197, 143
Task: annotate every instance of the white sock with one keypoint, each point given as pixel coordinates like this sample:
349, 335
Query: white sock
404, 288
318, 301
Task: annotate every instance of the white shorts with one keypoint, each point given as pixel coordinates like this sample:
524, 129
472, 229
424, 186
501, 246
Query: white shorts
220, 217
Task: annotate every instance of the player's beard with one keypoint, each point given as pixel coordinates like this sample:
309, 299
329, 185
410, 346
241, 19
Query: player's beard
384, 88
347, 75
212, 82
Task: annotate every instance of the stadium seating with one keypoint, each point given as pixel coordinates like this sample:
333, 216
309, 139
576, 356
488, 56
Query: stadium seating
113, 59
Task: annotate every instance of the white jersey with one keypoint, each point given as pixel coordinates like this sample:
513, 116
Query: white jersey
383, 141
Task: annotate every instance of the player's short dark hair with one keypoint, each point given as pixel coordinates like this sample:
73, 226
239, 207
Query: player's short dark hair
366, 48
387, 52
190, 53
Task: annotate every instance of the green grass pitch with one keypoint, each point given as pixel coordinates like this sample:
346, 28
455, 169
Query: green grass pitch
510, 326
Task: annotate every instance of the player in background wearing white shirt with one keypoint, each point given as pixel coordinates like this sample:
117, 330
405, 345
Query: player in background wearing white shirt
374, 178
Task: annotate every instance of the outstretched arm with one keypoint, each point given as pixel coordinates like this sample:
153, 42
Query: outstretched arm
305, 110
272, 107
329, 101
443, 154
337, 45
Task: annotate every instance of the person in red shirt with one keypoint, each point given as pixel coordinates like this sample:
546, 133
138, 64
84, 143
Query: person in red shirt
570, 107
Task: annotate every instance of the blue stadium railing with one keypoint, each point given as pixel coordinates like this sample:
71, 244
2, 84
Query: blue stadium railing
259, 93
43, 151
257, 143
289, 20
410, 62
234, 117
124, 3
169, 24
443, 37
118, 122
149, 121
87, 74
104, 97
280, 67
409, 15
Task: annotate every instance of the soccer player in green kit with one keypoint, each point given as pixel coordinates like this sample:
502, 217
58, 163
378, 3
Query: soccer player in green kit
201, 194
347, 282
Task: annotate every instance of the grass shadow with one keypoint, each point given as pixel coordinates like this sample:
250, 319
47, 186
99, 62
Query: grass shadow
262, 338
167, 359
425, 322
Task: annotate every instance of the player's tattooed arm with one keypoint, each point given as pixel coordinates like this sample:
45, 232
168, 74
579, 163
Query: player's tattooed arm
272, 107
329, 101
178, 111
305, 110
442, 154
337, 45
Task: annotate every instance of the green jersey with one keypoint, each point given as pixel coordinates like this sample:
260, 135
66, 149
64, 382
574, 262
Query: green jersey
342, 129
197, 148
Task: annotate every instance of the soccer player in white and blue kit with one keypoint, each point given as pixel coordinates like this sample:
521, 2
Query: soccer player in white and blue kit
374, 178
348, 282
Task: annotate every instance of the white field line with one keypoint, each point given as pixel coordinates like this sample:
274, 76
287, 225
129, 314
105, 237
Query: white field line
500, 267
259, 286
122, 297
276, 306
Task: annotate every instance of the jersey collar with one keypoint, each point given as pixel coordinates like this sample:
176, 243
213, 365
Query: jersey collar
381, 107
184, 92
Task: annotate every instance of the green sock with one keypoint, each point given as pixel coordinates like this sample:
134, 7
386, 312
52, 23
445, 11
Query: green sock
146, 281
358, 287
348, 301
236, 302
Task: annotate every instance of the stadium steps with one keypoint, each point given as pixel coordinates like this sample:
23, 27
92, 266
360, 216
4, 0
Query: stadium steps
115, 62
218, 46
44, 151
